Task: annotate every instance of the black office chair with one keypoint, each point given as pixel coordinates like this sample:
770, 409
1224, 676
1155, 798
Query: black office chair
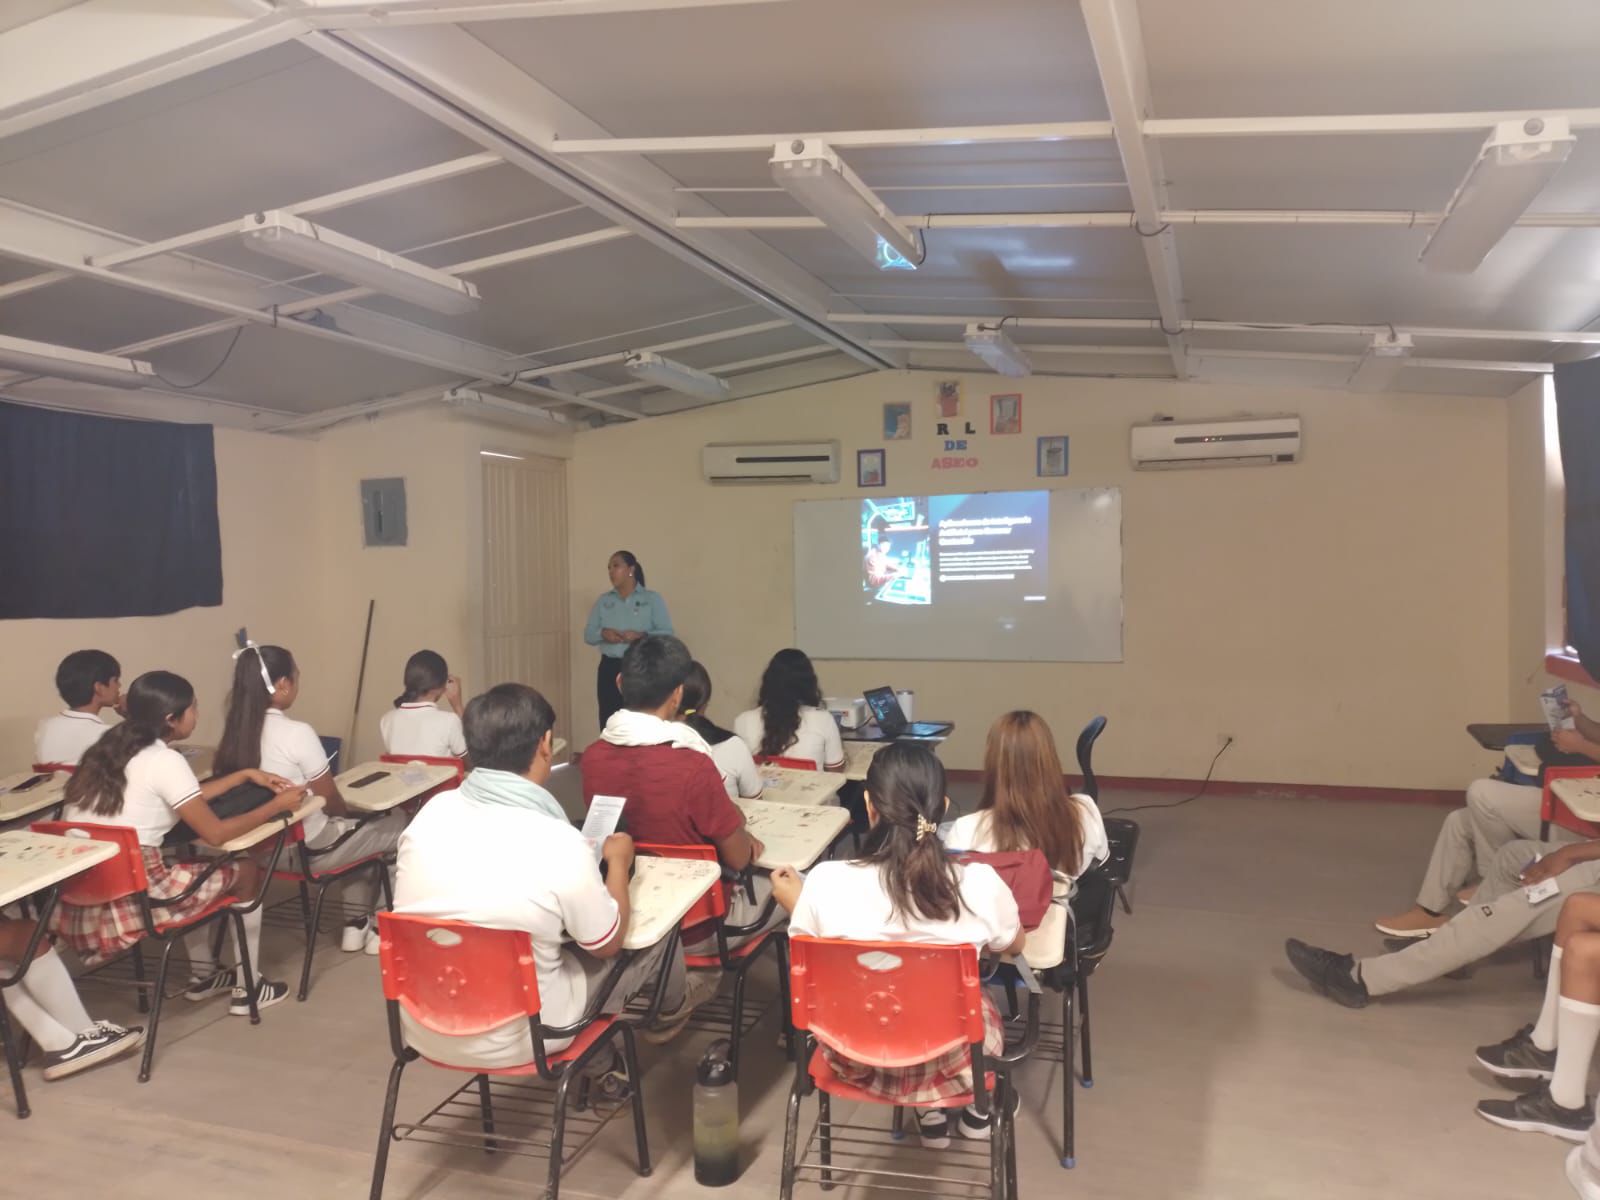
1121, 833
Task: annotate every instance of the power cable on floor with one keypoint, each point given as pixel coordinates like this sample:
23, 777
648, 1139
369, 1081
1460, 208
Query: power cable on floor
1205, 783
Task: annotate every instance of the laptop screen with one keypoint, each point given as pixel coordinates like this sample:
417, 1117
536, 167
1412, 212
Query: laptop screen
885, 707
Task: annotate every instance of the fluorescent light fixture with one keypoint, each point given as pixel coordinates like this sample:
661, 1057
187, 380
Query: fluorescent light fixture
294, 239
497, 454
1510, 171
63, 362
468, 399
990, 343
664, 372
815, 176
1381, 363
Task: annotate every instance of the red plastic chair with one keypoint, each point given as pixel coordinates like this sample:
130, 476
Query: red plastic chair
124, 876
308, 878
894, 1004
459, 979
53, 768
735, 960
793, 764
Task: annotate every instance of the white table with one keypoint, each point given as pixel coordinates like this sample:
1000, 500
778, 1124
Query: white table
1524, 758
400, 782
792, 835
16, 806
661, 893
1582, 796
787, 785
858, 757
31, 862
272, 827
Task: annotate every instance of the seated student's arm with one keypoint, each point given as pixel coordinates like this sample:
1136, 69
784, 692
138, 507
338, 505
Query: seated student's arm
1557, 861
311, 760
748, 777
717, 819
1584, 740
457, 742
596, 912
214, 830
832, 746
786, 888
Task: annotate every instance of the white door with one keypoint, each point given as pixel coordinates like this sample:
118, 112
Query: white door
526, 631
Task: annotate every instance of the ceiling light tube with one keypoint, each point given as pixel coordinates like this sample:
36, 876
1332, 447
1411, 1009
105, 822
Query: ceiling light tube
1511, 169
63, 362
819, 180
990, 343
317, 248
468, 399
664, 372
1381, 363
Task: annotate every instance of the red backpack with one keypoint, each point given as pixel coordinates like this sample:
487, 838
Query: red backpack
1028, 876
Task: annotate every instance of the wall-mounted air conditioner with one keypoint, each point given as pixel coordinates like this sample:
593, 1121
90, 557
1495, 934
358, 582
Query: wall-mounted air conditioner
1254, 442
772, 462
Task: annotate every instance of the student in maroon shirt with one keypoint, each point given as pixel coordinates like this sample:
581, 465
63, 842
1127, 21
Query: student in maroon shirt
665, 772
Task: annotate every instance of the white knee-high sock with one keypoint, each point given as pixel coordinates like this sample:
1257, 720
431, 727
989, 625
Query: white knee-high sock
201, 963
46, 1003
1578, 1027
252, 939
1544, 1029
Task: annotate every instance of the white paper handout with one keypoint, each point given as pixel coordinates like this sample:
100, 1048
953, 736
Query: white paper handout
601, 823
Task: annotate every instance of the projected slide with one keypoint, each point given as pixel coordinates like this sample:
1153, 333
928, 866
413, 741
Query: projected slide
916, 549
1031, 576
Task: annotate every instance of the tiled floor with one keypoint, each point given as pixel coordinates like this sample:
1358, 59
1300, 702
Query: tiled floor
1217, 1073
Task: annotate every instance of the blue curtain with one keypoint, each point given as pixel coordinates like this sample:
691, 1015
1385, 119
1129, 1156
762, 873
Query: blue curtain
102, 517
1578, 413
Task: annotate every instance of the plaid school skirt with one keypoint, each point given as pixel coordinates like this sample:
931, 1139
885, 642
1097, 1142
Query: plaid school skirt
97, 932
930, 1084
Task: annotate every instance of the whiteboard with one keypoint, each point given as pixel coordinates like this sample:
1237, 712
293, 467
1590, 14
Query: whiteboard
961, 576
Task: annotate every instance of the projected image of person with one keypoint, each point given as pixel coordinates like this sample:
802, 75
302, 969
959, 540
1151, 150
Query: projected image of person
896, 564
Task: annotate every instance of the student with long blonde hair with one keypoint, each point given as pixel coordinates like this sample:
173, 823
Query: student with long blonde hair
1026, 805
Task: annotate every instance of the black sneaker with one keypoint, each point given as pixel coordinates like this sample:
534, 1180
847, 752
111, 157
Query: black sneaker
1329, 974
1518, 1058
104, 1041
978, 1129
933, 1125
1537, 1112
225, 980
268, 993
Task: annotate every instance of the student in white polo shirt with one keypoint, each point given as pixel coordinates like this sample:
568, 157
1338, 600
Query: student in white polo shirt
88, 680
791, 722
259, 732
416, 724
501, 853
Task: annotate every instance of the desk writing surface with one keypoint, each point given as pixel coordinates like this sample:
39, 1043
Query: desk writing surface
400, 782
661, 893
870, 733
858, 757
272, 828
31, 862
1524, 758
1582, 796
789, 785
1495, 737
792, 835
14, 806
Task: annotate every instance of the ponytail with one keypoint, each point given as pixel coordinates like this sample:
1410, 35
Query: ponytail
426, 671
256, 671
155, 700
632, 563
906, 785
692, 711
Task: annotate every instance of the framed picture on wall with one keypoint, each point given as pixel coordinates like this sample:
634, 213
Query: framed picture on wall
869, 468
1052, 452
896, 422
1005, 413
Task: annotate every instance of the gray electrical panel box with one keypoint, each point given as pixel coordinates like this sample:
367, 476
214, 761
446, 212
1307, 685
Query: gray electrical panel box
383, 512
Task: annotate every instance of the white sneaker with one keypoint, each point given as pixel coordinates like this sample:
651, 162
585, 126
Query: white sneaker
373, 939
354, 935
1578, 1176
933, 1127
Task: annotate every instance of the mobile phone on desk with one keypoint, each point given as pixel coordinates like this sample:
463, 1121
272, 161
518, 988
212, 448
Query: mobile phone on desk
33, 781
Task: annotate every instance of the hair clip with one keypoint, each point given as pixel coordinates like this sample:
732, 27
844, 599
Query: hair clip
925, 827
260, 662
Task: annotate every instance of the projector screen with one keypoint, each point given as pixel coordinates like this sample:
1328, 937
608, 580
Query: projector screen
1011, 576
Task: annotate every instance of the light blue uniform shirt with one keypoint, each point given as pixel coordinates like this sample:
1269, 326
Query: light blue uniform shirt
644, 611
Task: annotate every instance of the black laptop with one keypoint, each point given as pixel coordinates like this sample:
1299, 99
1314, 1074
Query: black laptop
891, 719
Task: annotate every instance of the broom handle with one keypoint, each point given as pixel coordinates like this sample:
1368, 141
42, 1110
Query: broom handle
361, 679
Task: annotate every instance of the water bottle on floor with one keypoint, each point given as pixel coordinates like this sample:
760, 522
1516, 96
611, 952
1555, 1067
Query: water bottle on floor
716, 1118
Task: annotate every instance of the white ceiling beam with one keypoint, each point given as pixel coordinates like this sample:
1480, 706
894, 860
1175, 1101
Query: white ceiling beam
1030, 348
446, 73
342, 14
1351, 360
1118, 47
1373, 123
1402, 218
105, 50
841, 139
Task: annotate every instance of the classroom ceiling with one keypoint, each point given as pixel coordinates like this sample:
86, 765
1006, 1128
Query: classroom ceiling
1235, 191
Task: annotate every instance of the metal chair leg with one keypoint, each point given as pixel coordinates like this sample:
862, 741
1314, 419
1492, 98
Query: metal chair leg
630, 1060
380, 1162
1069, 1115
558, 1133
140, 992
155, 1012
1083, 1003
783, 997
997, 1139
736, 1032
247, 969
312, 928
487, 1108
1122, 894
1009, 1120
13, 1061
825, 1139
791, 1139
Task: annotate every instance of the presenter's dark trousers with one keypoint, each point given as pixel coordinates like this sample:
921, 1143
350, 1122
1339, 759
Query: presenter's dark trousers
605, 686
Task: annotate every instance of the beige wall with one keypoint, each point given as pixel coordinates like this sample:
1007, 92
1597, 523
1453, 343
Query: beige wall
1342, 618
295, 573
